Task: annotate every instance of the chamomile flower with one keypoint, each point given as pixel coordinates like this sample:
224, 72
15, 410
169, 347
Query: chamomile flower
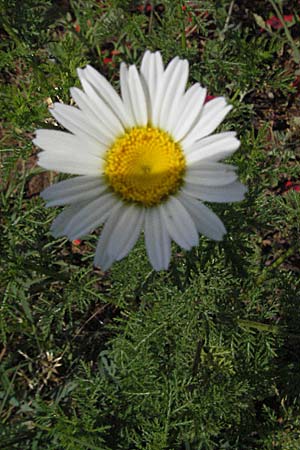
146, 161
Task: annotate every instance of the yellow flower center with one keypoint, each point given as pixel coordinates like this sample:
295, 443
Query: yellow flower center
145, 165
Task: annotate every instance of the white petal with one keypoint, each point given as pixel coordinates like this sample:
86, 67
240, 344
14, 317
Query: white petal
74, 165
152, 70
157, 239
61, 221
67, 153
146, 66
84, 104
74, 190
126, 232
212, 148
70, 186
62, 142
206, 221
98, 114
188, 111
75, 121
102, 258
179, 223
90, 216
211, 165
213, 113
137, 97
126, 95
161, 90
173, 92
101, 109
106, 92
234, 192
118, 235
145, 72
210, 174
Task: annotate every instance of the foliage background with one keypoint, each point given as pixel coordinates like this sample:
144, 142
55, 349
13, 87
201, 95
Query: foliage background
206, 355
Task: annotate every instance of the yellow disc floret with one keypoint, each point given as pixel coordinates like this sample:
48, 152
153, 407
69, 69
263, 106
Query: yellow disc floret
145, 165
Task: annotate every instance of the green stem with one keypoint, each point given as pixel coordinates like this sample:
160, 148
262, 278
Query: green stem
226, 26
276, 263
181, 13
244, 323
287, 32
264, 327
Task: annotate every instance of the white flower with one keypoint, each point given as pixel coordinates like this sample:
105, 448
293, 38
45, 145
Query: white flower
146, 160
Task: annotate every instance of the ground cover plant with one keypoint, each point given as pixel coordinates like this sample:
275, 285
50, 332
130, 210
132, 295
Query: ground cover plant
204, 355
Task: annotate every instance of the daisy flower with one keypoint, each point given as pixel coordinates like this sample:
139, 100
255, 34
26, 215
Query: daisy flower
146, 161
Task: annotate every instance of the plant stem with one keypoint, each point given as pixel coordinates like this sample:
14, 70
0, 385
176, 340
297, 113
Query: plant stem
287, 32
223, 32
181, 13
277, 263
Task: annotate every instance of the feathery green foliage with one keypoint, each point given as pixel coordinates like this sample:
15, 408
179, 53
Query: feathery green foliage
204, 356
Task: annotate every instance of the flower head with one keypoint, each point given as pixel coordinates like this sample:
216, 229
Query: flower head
276, 23
146, 159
